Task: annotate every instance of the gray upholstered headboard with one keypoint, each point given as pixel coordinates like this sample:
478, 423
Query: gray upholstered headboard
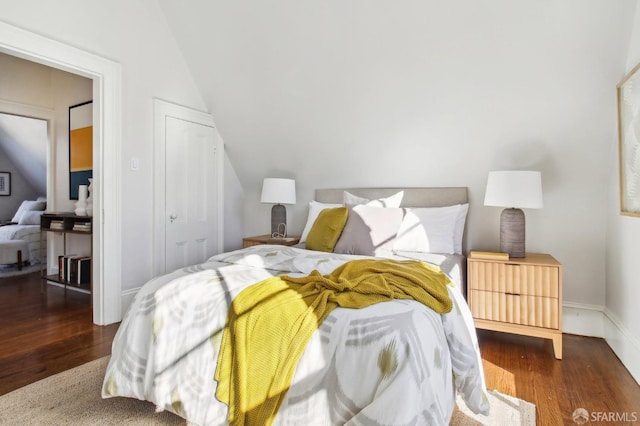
413, 197
454, 265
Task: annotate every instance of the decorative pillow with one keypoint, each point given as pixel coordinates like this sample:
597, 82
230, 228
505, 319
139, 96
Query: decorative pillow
326, 229
314, 209
30, 217
428, 230
370, 231
392, 201
28, 206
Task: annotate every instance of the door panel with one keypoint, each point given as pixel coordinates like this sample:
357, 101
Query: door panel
191, 198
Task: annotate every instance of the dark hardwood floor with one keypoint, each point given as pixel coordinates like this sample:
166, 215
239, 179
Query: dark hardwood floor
40, 337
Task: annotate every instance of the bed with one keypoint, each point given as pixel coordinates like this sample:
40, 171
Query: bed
394, 362
25, 225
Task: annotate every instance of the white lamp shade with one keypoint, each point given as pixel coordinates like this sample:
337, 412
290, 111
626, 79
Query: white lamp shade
278, 191
515, 188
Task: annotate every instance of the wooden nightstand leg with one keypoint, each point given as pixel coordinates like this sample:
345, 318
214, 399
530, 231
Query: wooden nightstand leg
19, 260
557, 345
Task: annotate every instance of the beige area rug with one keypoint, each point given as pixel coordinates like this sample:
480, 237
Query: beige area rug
73, 398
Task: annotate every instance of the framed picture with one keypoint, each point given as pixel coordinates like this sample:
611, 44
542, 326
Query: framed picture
5, 183
80, 146
628, 91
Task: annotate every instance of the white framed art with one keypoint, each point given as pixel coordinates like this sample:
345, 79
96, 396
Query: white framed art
5, 183
628, 94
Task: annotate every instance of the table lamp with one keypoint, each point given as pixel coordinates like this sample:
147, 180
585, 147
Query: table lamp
514, 190
278, 191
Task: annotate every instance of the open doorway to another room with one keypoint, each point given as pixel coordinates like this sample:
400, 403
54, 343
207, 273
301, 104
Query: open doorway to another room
38, 98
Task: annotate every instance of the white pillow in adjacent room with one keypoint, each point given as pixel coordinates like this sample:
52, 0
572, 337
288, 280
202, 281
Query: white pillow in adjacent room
30, 217
28, 206
315, 208
392, 201
428, 230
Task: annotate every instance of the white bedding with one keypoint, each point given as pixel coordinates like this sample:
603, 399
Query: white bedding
391, 363
28, 233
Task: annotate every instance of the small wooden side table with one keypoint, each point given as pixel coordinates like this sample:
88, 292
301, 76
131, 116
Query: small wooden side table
520, 296
267, 239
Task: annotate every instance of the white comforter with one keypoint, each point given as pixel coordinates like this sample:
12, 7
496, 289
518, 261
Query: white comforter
391, 363
28, 233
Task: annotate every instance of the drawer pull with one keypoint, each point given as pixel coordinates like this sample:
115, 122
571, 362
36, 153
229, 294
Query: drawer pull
512, 294
512, 264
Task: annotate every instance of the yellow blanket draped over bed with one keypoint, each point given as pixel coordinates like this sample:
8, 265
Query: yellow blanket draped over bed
270, 323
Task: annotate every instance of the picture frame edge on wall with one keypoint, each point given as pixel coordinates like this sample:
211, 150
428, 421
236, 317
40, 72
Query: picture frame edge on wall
627, 142
5, 184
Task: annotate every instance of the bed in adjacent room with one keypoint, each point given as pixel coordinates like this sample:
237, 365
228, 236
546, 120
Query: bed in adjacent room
228, 332
25, 226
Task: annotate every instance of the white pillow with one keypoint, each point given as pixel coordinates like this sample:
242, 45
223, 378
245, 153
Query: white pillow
315, 208
458, 231
428, 230
30, 217
28, 206
392, 201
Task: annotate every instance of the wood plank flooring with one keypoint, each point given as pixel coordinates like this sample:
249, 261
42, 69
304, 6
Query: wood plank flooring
40, 337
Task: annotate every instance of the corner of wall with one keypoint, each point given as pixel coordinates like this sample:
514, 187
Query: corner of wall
623, 343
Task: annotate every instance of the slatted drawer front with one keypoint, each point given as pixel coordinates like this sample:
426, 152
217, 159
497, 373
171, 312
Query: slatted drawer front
515, 309
513, 278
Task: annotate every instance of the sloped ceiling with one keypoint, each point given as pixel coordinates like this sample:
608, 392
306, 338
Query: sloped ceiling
314, 87
24, 141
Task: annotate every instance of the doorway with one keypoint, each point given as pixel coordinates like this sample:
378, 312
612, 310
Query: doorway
106, 76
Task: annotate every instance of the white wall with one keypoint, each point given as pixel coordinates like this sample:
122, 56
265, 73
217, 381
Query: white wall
623, 248
134, 34
421, 93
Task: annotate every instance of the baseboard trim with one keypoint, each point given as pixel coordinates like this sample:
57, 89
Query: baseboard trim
625, 345
127, 298
583, 319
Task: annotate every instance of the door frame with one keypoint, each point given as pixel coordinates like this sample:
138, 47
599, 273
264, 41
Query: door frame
161, 110
107, 135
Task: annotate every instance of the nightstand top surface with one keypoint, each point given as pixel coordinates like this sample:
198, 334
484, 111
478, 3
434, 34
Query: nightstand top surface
529, 259
267, 239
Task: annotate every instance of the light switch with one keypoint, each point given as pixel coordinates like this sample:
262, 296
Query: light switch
135, 163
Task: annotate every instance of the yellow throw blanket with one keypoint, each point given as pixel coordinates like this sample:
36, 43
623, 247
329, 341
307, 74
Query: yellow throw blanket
270, 323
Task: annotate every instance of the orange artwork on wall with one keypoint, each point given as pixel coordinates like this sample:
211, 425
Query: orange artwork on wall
80, 146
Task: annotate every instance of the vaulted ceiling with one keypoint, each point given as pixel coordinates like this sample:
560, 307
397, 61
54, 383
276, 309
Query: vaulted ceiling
313, 87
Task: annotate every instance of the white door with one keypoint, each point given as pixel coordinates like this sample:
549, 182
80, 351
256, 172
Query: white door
190, 180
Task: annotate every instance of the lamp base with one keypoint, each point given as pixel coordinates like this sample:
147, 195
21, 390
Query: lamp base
278, 220
512, 232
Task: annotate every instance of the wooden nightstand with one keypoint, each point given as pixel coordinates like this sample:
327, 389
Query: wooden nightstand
266, 239
518, 295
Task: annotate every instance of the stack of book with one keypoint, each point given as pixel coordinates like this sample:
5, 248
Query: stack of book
82, 226
488, 255
56, 224
74, 269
